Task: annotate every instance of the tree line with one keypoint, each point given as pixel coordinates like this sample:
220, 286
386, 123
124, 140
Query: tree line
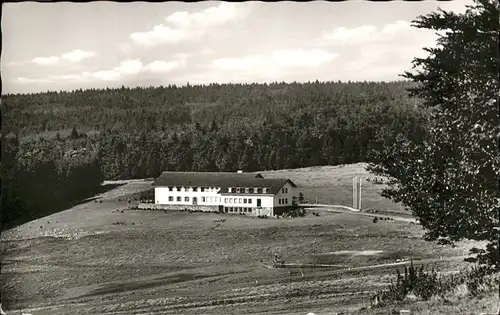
43, 177
141, 131
129, 133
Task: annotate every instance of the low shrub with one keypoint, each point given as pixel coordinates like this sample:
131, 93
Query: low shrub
294, 213
424, 284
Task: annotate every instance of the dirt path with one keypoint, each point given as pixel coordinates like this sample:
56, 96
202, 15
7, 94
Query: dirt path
345, 209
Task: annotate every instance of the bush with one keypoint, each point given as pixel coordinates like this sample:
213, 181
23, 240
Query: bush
294, 213
425, 284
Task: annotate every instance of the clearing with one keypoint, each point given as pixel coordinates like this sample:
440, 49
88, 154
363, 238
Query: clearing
100, 258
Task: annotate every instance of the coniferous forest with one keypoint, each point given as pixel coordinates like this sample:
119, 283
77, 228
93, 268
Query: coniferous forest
59, 146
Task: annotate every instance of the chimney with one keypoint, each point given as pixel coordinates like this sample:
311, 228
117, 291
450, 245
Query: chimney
240, 171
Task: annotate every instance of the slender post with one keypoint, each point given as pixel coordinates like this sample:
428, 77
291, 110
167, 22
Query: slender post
354, 192
359, 193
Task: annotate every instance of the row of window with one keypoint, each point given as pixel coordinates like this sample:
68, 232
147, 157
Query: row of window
238, 190
238, 200
239, 209
203, 199
215, 199
247, 190
283, 201
195, 189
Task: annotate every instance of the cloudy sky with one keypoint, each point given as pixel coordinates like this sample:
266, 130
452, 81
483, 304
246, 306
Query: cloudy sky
65, 46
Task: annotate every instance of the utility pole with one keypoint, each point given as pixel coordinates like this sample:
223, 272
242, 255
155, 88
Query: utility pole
354, 193
359, 203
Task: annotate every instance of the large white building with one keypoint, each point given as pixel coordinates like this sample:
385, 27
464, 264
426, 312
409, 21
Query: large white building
246, 193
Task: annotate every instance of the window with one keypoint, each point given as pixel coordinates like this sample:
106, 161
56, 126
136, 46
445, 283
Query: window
195, 188
238, 190
249, 200
202, 199
225, 200
279, 201
186, 198
247, 190
170, 198
170, 188
202, 189
259, 190
178, 189
240, 200
179, 199
244, 200
283, 190
286, 190
230, 200
286, 200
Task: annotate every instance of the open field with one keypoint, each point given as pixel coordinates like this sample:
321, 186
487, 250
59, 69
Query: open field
333, 185
100, 258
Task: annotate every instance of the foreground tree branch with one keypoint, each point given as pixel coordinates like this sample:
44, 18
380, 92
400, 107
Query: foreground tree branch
448, 177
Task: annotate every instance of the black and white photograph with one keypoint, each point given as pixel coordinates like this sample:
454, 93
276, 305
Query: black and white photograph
274, 158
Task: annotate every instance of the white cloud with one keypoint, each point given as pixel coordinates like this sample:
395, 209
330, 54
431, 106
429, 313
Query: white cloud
125, 47
129, 67
239, 64
69, 77
208, 18
77, 55
302, 58
16, 63
160, 34
72, 56
279, 60
183, 26
207, 51
46, 61
24, 80
159, 66
343, 34
126, 69
399, 30
106, 75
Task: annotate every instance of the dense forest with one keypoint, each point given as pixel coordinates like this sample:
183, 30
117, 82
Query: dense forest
139, 132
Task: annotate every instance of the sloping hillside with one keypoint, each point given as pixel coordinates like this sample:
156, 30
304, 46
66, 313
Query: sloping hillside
333, 185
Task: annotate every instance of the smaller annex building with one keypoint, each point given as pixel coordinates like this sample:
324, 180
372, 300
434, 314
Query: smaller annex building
247, 193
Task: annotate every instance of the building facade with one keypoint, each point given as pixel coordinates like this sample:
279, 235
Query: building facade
235, 193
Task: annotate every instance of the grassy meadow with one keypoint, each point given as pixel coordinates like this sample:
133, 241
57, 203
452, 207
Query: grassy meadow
333, 185
99, 257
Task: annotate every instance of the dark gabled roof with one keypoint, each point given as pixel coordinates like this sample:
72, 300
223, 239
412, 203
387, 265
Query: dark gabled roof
220, 179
